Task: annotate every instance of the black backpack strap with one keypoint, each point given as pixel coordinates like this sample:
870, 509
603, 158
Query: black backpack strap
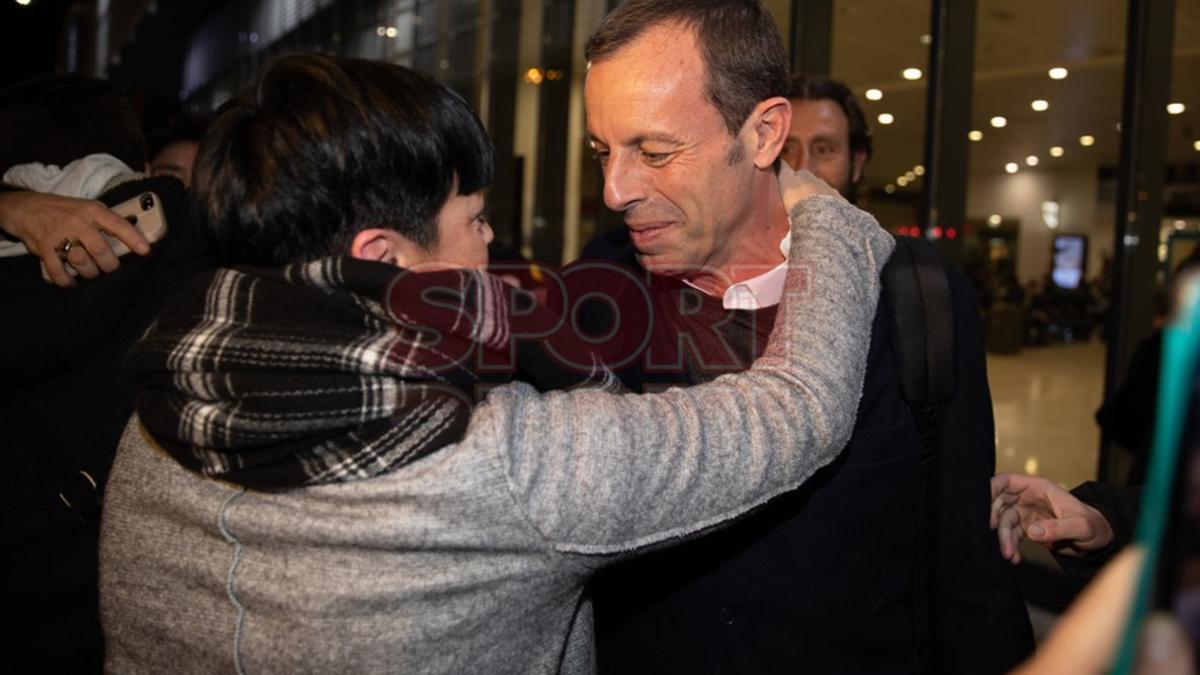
922, 320
922, 314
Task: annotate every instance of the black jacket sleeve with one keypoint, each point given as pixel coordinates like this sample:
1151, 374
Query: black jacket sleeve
1120, 506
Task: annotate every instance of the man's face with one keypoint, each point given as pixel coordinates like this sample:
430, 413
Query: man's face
463, 233
176, 160
666, 153
819, 141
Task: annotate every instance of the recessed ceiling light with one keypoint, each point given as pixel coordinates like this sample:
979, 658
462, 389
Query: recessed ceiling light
910, 175
999, 121
1011, 167
901, 181
1057, 151
1058, 73
889, 188
911, 73
392, 32
919, 170
1196, 145
1087, 140
926, 39
1039, 105
23, 2
885, 118
874, 95
1031, 160
994, 220
1176, 108
975, 135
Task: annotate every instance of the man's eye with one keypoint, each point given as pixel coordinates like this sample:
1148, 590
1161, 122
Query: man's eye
823, 149
656, 158
601, 156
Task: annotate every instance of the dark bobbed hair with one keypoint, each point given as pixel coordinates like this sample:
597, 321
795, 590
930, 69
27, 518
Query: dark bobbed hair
327, 147
817, 88
743, 55
186, 128
57, 119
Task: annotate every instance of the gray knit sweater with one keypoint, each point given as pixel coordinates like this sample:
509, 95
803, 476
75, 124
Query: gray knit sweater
474, 559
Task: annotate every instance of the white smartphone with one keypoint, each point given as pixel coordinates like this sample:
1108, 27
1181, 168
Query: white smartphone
143, 212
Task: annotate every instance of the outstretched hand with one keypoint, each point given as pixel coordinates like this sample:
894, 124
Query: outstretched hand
43, 222
1042, 511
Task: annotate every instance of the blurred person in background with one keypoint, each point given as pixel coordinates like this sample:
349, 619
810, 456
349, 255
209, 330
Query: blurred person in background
63, 398
172, 149
829, 134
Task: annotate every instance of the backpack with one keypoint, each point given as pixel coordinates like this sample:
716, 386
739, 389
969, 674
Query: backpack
921, 309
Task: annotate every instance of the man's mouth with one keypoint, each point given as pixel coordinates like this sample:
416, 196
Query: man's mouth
645, 234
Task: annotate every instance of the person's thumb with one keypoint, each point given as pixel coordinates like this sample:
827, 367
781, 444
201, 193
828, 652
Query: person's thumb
1164, 648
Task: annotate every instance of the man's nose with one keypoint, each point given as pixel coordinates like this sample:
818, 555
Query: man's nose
624, 182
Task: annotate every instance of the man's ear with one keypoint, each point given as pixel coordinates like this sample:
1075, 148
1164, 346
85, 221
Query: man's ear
857, 164
770, 122
387, 246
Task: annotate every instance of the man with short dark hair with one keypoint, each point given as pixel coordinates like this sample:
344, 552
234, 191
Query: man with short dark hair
829, 134
688, 110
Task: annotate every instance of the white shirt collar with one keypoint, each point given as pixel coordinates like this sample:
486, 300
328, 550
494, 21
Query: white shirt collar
764, 290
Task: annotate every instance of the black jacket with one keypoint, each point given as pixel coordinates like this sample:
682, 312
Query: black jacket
64, 402
820, 580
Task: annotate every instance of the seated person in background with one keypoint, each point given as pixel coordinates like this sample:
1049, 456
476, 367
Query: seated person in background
63, 399
304, 486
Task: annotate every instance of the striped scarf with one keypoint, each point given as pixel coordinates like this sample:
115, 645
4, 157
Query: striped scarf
333, 370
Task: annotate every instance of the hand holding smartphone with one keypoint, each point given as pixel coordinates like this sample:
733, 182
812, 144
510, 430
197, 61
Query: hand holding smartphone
143, 212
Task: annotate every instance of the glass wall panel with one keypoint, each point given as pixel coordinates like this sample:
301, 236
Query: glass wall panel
1040, 213
1181, 200
881, 51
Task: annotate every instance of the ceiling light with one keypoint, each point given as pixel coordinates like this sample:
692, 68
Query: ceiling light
1011, 167
926, 39
999, 121
1058, 73
886, 118
392, 32
901, 181
994, 220
1039, 105
23, 2
911, 73
911, 176
380, 31
1031, 160
1050, 212
1057, 151
1087, 141
1176, 108
874, 95
889, 188
919, 170
1196, 145
975, 135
